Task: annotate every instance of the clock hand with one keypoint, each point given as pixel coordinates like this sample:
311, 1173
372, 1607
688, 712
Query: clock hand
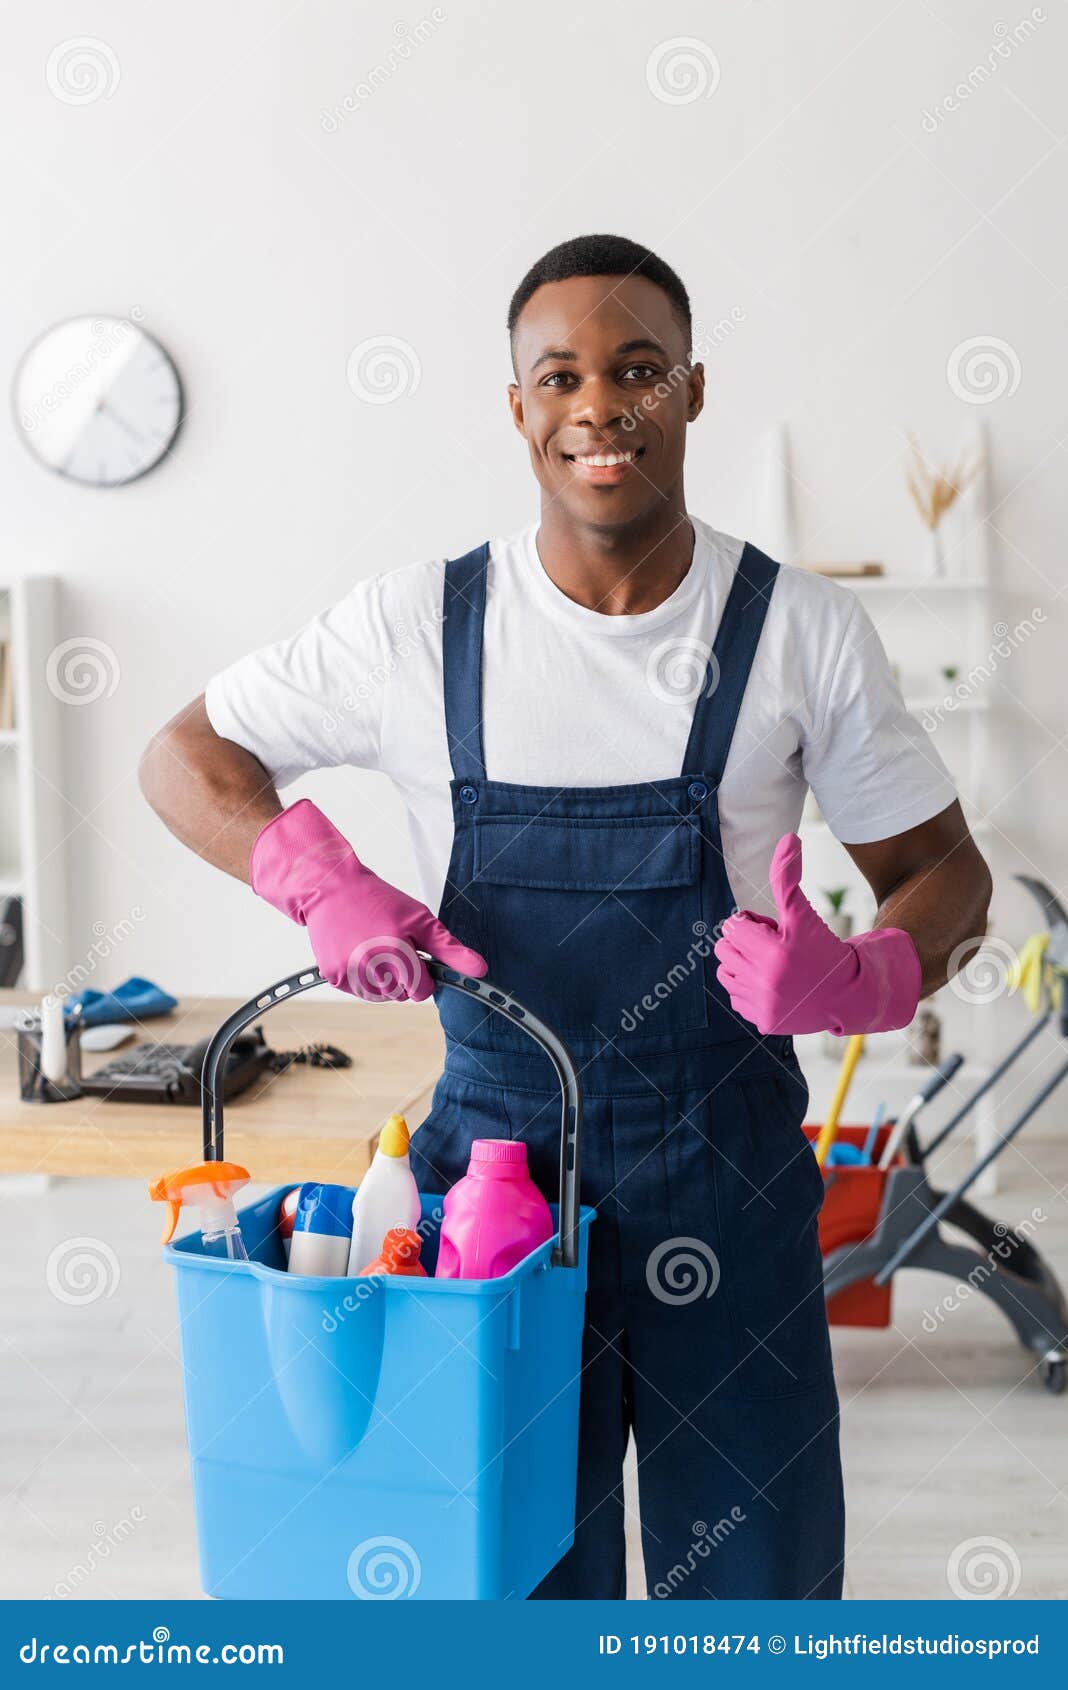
127, 428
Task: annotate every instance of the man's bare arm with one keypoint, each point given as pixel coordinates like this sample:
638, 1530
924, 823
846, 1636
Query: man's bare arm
214, 796
933, 883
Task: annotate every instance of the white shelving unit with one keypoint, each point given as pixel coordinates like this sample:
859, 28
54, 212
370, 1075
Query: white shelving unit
920, 645
926, 623
964, 624
32, 821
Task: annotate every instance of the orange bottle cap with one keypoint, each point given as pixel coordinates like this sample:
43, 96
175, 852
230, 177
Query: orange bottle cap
399, 1253
401, 1246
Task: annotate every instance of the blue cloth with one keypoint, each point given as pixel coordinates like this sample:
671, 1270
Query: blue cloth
844, 1156
706, 1328
134, 1000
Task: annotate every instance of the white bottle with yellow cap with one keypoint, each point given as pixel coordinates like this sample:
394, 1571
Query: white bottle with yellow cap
386, 1197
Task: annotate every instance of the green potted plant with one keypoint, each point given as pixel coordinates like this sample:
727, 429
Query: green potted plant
837, 917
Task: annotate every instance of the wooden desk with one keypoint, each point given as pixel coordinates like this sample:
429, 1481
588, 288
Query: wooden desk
308, 1123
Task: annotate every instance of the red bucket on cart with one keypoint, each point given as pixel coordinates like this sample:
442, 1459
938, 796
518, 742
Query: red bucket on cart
852, 1204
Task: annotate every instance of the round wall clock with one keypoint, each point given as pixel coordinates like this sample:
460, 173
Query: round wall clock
98, 400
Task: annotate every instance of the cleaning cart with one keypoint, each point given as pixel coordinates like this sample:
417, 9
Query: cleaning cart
883, 1215
383, 1437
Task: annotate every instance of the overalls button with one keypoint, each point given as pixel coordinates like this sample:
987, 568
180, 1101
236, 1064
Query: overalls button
698, 791
468, 795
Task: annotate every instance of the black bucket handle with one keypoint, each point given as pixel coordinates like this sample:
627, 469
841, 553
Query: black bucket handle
566, 1251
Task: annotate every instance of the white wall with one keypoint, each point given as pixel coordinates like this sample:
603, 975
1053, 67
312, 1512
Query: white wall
855, 247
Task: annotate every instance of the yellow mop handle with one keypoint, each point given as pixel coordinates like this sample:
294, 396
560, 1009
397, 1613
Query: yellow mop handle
829, 1129
1030, 972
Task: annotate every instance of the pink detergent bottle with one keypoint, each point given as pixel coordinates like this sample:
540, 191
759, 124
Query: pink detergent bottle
494, 1216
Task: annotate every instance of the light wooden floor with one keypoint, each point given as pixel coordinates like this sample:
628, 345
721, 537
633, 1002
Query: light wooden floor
947, 1437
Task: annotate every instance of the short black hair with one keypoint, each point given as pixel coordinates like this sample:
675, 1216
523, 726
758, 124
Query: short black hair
603, 255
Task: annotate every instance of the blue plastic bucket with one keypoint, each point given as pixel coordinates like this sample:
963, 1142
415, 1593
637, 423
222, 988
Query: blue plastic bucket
386, 1437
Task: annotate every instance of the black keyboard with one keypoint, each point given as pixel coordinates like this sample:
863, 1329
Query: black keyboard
159, 1073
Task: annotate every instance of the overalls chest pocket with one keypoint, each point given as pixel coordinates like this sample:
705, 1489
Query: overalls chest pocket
611, 904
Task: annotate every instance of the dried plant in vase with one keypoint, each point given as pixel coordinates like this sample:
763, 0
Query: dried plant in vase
936, 490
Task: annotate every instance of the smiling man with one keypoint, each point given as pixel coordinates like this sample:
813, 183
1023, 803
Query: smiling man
603, 728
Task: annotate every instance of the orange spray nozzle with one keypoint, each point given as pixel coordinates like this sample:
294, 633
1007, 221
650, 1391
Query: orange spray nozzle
194, 1185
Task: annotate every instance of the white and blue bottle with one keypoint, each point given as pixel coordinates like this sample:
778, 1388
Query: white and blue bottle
322, 1231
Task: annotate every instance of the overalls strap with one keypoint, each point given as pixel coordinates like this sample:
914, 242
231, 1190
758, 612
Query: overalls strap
464, 613
732, 656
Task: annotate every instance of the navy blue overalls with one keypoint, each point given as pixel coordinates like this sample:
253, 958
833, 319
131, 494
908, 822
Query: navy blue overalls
705, 1325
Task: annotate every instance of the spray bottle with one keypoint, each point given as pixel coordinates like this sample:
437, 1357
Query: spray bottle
208, 1187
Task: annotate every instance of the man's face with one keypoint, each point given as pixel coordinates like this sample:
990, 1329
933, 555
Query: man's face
603, 371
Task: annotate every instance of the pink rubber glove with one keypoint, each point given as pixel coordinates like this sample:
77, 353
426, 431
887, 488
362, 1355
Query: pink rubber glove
796, 976
365, 934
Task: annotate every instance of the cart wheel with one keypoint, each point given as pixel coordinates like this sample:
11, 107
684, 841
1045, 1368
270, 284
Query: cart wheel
1055, 1376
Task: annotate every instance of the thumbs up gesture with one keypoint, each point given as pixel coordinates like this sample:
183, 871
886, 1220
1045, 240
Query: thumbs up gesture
793, 975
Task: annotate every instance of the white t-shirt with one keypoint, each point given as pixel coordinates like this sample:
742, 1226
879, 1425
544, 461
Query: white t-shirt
572, 697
